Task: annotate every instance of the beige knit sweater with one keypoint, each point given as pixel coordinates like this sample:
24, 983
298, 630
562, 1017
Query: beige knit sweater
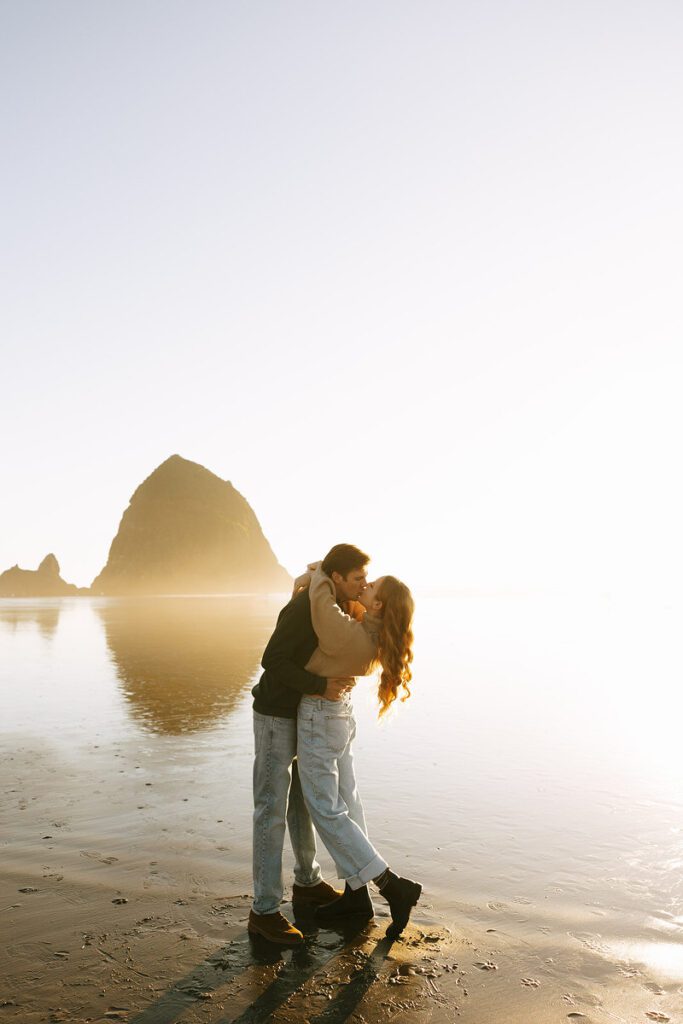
346, 647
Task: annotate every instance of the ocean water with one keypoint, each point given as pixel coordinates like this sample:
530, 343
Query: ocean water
534, 776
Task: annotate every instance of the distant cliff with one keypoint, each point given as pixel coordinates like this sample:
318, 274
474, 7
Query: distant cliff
44, 581
186, 531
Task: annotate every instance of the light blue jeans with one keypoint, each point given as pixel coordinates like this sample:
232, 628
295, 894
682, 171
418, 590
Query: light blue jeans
278, 800
325, 734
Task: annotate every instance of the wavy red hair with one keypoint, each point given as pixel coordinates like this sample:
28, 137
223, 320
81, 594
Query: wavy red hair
395, 651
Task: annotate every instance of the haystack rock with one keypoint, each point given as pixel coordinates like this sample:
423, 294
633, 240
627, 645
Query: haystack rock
186, 531
44, 581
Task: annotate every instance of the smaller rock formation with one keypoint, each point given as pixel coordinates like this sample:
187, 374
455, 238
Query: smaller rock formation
44, 581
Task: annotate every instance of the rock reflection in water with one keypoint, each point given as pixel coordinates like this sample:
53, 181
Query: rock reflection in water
185, 663
45, 616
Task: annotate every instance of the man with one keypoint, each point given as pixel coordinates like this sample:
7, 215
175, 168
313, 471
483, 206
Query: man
277, 790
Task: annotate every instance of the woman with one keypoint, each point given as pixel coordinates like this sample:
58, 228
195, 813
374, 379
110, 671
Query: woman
380, 638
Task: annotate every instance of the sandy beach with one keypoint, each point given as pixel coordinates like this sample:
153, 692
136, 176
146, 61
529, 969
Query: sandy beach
117, 906
550, 861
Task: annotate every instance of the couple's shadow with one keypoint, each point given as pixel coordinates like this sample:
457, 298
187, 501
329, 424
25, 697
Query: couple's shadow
299, 964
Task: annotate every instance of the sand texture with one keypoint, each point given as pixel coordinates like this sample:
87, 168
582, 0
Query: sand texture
114, 908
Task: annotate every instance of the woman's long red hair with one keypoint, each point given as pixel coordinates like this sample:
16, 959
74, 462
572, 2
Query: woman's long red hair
395, 652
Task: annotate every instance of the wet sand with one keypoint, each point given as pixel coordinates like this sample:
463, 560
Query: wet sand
125, 898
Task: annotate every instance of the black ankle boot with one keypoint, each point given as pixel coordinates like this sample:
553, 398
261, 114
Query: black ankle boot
352, 903
401, 894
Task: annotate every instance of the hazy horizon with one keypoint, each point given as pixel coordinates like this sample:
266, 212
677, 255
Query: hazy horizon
407, 276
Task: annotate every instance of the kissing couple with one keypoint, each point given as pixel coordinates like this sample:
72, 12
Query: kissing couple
336, 626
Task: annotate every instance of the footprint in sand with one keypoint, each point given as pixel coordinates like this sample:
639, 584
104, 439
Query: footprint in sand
531, 982
591, 942
572, 999
497, 906
486, 965
94, 855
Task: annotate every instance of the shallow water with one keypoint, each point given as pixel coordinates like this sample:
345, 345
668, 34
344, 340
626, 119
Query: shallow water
534, 780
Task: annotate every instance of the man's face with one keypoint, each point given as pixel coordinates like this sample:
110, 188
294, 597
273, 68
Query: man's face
351, 588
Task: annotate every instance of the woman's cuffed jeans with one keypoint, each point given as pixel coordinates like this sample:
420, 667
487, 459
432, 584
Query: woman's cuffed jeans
325, 733
278, 801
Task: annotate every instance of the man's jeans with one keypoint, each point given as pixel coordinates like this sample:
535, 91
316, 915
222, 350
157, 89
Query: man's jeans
326, 730
278, 799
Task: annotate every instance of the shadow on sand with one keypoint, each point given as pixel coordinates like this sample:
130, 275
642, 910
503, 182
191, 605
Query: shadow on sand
297, 967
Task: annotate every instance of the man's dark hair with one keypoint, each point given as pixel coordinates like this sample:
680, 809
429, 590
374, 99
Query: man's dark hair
344, 558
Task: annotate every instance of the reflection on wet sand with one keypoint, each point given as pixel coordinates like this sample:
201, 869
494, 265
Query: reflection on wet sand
45, 616
184, 663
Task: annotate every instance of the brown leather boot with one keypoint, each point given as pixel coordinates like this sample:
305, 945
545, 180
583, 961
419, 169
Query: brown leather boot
304, 896
275, 928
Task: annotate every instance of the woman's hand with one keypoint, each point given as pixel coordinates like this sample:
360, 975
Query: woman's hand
304, 581
336, 688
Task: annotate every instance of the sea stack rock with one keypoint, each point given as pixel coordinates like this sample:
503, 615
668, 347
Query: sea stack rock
44, 581
186, 531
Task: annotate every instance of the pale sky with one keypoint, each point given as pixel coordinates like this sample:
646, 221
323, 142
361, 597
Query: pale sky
407, 274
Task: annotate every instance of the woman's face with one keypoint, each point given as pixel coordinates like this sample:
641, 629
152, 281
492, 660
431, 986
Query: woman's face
368, 598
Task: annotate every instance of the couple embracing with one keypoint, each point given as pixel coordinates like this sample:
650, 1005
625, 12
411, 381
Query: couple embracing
337, 626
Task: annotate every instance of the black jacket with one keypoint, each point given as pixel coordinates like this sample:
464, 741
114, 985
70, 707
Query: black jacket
285, 679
